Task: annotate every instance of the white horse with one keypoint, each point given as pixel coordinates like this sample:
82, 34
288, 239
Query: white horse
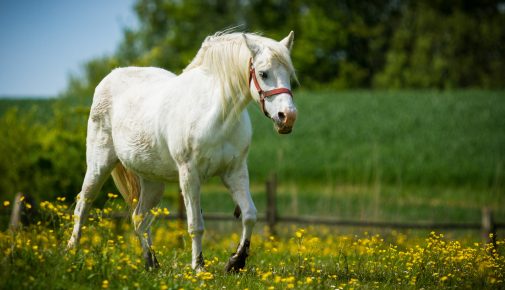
148, 126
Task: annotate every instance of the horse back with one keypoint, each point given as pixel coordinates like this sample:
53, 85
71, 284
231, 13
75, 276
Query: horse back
120, 81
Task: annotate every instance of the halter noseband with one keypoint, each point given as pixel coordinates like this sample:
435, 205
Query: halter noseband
264, 94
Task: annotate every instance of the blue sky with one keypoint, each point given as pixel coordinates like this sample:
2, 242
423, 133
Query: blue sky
42, 42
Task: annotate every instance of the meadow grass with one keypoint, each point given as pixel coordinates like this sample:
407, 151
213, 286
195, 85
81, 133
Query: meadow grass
312, 258
410, 137
375, 202
360, 155
446, 138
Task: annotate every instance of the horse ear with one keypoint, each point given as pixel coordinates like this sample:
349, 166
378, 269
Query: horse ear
288, 40
253, 47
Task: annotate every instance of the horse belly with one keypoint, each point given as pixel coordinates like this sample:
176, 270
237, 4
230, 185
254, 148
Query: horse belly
151, 166
140, 153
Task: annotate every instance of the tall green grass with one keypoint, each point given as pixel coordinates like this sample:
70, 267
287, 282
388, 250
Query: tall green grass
412, 137
109, 257
407, 137
412, 155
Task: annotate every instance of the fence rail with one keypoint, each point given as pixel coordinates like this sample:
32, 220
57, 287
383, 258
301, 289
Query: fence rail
488, 226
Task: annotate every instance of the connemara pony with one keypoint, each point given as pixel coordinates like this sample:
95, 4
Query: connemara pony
148, 126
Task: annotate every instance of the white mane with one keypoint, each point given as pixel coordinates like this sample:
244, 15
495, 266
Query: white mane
226, 56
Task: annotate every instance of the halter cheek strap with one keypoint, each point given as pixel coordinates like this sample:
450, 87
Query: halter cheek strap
264, 94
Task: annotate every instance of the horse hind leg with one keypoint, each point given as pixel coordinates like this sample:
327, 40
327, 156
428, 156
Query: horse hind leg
150, 196
101, 159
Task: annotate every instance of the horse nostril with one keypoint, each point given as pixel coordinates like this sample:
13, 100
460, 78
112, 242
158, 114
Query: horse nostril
282, 116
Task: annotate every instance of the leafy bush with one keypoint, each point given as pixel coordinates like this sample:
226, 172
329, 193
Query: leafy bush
44, 159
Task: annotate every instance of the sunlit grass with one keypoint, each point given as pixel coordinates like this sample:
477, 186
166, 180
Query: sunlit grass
375, 202
400, 138
303, 258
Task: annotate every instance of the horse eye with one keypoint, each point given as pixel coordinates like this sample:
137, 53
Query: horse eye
263, 74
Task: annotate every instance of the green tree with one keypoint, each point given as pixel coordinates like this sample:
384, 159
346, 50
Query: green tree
337, 43
447, 45
343, 44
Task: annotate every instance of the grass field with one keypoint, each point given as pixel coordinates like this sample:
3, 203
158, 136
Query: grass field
407, 137
404, 137
313, 258
360, 155
416, 155
411, 137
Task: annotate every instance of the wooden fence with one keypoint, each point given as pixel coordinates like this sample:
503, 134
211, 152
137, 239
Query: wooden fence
488, 226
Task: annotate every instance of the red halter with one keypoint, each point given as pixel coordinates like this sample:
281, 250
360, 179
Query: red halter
264, 94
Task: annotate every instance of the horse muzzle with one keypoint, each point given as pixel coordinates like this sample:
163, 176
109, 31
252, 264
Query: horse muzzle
284, 121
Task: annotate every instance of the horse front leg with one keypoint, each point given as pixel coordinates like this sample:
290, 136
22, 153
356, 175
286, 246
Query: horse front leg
190, 187
237, 181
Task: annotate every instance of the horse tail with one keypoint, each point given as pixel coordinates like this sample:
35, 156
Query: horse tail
127, 183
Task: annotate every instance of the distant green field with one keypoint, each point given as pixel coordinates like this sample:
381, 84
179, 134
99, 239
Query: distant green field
412, 137
413, 155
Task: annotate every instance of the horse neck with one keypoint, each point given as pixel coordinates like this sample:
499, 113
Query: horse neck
224, 89
229, 97
231, 106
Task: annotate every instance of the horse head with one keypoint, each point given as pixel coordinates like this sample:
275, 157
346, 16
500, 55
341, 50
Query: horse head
270, 72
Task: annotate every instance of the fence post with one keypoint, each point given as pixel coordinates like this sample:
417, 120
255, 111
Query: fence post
488, 226
271, 211
24, 211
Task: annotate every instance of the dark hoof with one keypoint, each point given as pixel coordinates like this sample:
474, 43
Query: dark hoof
237, 212
237, 260
151, 261
200, 263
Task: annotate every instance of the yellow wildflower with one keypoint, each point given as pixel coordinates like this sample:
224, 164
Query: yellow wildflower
300, 233
265, 276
